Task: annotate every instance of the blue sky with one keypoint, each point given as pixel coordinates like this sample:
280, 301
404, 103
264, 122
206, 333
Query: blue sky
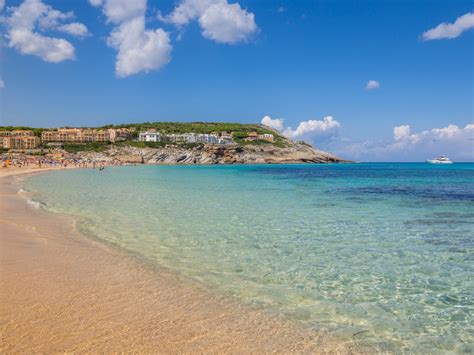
295, 61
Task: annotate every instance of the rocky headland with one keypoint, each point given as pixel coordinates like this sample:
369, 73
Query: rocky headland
291, 153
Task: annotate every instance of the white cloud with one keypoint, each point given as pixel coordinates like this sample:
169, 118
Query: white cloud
2, 84
96, 3
219, 20
450, 30
186, 11
32, 16
227, 23
372, 85
75, 28
401, 132
52, 18
308, 129
276, 123
452, 140
138, 49
118, 11
52, 50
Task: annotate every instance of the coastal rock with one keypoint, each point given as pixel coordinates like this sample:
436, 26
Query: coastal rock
290, 153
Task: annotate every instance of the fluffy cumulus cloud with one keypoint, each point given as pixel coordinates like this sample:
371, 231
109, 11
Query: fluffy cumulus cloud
403, 136
219, 20
450, 30
372, 85
118, 11
275, 123
26, 27
310, 131
401, 132
328, 126
452, 140
138, 49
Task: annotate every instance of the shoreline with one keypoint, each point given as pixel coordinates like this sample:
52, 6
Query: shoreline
62, 291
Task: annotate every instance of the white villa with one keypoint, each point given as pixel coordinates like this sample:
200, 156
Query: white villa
194, 138
149, 136
213, 138
266, 137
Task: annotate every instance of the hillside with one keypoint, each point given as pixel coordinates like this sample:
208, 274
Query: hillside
241, 151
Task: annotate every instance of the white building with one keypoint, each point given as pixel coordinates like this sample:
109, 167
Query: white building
184, 138
207, 138
149, 137
189, 137
266, 137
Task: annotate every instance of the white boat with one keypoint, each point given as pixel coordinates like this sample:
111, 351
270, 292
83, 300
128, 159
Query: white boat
443, 159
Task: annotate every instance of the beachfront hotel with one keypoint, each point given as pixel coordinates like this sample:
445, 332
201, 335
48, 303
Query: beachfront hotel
85, 135
149, 136
212, 138
19, 139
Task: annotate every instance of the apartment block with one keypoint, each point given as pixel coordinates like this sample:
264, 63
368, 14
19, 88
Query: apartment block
20, 142
80, 135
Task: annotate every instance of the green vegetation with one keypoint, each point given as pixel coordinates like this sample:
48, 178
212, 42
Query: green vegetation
239, 130
36, 131
86, 147
196, 127
38, 153
279, 142
239, 133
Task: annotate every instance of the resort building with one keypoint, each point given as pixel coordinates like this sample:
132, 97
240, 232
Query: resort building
226, 137
84, 135
16, 133
18, 139
207, 138
193, 138
212, 138
123, 134
149, 136
20, 142
176, 138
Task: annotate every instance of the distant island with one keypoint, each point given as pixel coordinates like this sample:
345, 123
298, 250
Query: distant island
162, 143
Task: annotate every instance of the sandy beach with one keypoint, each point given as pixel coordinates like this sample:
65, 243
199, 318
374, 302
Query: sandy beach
63, 292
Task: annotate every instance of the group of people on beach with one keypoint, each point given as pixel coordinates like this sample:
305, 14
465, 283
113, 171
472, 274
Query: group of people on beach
26, 161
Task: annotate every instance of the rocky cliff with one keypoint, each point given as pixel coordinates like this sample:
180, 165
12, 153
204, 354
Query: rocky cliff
292, 153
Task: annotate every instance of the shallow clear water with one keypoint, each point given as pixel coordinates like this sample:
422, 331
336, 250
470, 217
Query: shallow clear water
382, 253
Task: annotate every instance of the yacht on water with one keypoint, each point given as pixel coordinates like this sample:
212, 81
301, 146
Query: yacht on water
443, 159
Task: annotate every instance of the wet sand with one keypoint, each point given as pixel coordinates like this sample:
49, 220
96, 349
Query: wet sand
63, 292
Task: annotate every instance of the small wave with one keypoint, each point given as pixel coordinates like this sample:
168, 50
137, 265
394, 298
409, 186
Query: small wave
35, 204
22, 191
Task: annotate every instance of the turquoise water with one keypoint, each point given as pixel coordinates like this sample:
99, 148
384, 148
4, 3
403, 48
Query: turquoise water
381, 253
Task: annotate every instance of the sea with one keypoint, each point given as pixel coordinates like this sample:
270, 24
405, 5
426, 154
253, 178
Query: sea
378, 253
